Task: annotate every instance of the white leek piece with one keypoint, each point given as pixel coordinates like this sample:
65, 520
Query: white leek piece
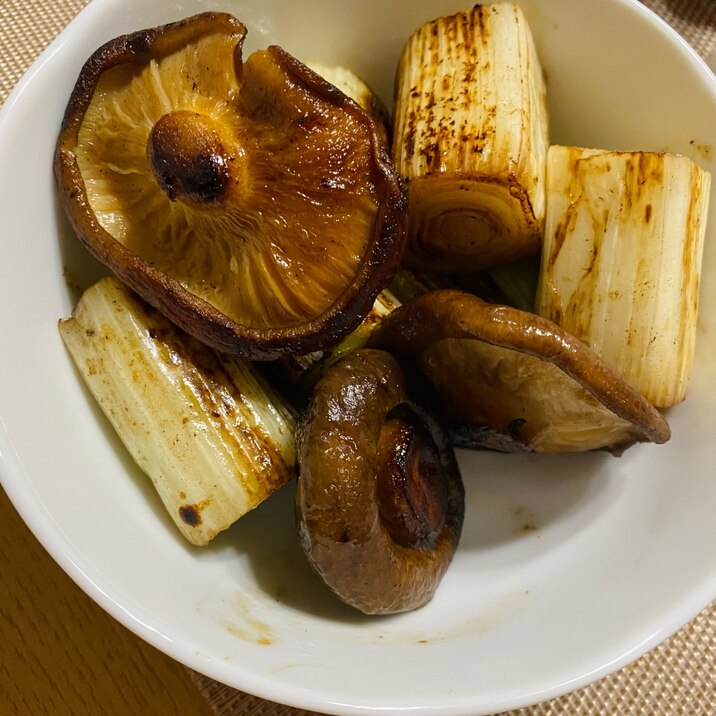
209, 432
471, 136
621, 261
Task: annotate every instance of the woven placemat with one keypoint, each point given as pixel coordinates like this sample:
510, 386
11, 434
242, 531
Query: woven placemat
677, 678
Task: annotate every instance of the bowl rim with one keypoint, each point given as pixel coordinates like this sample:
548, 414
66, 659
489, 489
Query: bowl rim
20, 491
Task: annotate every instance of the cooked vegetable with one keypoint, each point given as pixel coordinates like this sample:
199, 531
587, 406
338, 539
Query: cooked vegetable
354, 87
622, 261
213, 437
470, 136
379, 498
299, 373
517, 282
253, 203
510, 380
408, 284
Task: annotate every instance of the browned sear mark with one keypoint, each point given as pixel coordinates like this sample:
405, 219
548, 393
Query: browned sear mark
190, 515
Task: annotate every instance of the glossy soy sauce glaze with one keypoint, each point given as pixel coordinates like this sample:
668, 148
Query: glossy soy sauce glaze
379, 498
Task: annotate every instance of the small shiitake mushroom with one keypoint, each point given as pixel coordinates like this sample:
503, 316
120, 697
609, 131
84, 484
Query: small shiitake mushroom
251, 202
379, 498
513, 381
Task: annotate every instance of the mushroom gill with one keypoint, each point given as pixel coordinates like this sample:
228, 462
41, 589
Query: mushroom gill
252, 202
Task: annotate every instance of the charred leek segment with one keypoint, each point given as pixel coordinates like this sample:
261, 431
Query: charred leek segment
470, 136
211, 435
622, 261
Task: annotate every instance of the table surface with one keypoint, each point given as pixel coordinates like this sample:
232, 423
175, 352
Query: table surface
62, 654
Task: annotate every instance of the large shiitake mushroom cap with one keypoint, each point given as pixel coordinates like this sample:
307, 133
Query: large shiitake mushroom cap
511, 380
253, 203
379, 498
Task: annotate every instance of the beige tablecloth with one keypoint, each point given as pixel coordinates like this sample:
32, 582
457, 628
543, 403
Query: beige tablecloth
678, 678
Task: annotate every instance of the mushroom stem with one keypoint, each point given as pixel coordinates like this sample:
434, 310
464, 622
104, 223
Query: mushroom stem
189, 159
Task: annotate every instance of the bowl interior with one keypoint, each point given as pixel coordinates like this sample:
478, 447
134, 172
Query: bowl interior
569, 566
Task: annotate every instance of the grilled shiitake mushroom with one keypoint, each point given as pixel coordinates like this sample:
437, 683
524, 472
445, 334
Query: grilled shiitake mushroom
253, 203
514, 381
379, 498
350, 84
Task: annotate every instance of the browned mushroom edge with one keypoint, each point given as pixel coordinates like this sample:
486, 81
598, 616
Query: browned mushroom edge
450, 314
379, 497
195, 315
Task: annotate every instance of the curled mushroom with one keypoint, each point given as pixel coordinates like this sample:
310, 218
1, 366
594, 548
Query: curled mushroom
253, 203
379, 499
510, 380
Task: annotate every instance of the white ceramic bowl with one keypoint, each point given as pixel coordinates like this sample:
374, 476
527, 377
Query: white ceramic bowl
625, 549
